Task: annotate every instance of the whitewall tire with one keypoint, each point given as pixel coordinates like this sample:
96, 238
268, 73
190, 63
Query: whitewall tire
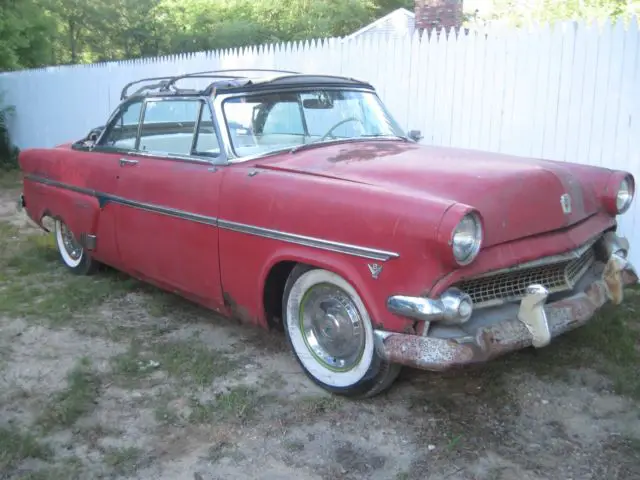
330, 332
73, 255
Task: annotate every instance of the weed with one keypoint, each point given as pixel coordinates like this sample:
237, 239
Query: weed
130, 366
222, 449
75, 401
187, 360
165, 415
192, 359
35, 284
70, 469
10, 179
239, 403
16, 446
123, 461
161, 303
318, 405
609, 343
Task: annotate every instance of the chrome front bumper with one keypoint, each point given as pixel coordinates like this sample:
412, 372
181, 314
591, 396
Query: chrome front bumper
535, 324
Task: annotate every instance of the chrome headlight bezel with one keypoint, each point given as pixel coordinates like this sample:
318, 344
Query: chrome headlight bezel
470, 226
624, 195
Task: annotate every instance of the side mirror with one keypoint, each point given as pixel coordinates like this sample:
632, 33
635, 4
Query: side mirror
93, 136
415, 135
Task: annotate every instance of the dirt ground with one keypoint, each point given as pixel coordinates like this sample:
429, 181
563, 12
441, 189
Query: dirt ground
104, 377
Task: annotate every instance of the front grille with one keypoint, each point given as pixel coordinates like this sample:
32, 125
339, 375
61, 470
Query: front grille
557, 274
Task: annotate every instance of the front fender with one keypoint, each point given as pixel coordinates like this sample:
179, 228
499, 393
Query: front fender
356, 271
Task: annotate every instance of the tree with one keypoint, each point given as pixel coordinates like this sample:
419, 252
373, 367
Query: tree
24, 35
41, 32
518, 13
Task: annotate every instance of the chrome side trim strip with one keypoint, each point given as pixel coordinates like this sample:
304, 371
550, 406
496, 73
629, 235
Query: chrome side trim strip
66, 186
171, 212
357, 251
322, 244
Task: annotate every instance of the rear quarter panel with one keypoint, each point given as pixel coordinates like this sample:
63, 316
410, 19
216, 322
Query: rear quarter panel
328, 209
61, 182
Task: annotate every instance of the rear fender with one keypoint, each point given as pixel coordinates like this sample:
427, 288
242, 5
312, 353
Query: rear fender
79, 211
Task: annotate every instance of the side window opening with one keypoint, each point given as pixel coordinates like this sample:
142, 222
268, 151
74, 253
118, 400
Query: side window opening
168, 126
206, 140
123, 130
178, 127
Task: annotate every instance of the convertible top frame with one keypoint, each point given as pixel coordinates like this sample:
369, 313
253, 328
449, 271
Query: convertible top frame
228, 81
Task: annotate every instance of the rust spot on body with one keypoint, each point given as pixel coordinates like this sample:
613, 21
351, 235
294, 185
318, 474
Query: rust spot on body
430, 353
236, 311
371, 151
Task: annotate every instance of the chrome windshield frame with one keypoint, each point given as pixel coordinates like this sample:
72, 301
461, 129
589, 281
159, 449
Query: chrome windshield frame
225, 137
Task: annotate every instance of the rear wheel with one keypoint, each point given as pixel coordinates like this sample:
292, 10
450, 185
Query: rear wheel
331, 335
72, 253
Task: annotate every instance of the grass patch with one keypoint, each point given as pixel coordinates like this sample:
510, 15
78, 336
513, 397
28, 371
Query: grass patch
165, 415
610, 344
16, 446
224, 449
615, 337
273, 380
634, 445
131, 365
10, 179
239, 403
189, 360
319, 405
5, 355
71, 469
123, 461
76, 400
26, 254
161, 303
34, 283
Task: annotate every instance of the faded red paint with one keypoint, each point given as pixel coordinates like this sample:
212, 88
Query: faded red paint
388, 195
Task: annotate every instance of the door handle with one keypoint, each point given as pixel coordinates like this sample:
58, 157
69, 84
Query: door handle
126, 161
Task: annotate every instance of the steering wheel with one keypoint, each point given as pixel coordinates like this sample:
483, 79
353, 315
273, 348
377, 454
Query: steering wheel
341, 122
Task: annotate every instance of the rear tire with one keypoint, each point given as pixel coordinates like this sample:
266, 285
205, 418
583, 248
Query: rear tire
329, 330
73, 255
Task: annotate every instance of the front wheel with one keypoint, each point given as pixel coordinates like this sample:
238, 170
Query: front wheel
72, 253
331, 335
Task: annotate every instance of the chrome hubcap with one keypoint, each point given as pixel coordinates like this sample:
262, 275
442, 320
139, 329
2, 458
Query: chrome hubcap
332, 327
73, 248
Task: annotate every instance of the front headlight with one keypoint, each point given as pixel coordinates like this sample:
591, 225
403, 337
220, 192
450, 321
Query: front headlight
624, 197
466, 239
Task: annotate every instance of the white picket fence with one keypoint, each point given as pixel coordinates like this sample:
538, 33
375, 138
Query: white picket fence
569, 92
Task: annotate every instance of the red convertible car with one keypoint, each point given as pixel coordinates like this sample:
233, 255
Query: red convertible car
295, 201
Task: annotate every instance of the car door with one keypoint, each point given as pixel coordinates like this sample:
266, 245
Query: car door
102, 161
169, 187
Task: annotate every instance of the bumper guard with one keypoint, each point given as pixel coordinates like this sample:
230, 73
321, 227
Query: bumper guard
536, 324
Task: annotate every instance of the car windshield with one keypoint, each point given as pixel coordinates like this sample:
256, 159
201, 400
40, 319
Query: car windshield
261, 123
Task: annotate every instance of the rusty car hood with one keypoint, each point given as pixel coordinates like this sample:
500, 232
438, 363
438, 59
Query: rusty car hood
517, 197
